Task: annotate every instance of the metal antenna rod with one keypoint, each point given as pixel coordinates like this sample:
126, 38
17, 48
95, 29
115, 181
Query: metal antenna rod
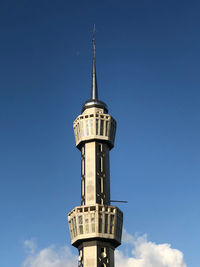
94, 91
120, 201
93, 40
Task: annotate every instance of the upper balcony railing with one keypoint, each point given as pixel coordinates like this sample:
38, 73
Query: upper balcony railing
94, 126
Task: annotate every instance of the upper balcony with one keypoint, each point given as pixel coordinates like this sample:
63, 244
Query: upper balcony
94, 125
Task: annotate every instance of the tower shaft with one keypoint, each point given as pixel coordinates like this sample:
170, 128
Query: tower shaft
95, 174
96, 254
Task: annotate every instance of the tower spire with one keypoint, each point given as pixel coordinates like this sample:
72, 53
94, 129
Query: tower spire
94, 100
94, 90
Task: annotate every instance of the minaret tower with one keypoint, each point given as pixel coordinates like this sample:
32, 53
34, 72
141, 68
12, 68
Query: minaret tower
95, 226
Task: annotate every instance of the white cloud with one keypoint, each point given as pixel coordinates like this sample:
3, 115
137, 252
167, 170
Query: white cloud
144, 253
148, 254
49, 257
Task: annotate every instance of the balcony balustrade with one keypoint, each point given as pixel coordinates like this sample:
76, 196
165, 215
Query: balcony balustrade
96, 221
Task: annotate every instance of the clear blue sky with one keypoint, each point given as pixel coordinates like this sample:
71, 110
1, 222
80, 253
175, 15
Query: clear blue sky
148, 62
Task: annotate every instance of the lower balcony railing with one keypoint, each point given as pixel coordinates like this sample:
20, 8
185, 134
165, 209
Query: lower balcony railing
96, 221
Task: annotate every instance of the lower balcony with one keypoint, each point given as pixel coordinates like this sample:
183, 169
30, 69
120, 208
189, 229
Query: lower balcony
95, 222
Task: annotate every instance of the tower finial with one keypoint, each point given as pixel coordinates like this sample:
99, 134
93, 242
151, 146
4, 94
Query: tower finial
94, 90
